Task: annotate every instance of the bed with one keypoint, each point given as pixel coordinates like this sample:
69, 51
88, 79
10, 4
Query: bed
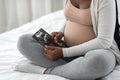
9, 55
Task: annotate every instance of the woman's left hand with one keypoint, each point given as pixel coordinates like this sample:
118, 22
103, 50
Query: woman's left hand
53, 53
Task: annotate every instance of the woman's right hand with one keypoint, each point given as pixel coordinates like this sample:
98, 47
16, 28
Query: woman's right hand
57, 37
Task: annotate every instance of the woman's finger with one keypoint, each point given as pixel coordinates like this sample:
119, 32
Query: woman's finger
59, 35
59, 43
53, 34
49, 47
49, 52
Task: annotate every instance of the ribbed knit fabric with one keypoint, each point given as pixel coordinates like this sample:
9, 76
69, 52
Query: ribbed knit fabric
81, 16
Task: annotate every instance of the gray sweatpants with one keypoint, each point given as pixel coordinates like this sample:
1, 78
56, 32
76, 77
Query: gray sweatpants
93, 65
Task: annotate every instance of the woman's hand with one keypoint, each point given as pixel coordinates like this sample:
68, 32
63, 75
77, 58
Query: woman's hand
53, 53
57, 37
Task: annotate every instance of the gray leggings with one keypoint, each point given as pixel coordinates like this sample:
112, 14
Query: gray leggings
93, 65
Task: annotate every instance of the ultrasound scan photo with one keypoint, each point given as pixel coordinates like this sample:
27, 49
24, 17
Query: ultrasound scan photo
43, 37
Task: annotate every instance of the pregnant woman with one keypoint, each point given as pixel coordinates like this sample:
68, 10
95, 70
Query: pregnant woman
91, 51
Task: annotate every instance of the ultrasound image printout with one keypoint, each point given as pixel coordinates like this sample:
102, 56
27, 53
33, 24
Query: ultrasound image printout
43, 37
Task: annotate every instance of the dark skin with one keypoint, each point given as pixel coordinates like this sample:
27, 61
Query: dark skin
82, 4
55, 53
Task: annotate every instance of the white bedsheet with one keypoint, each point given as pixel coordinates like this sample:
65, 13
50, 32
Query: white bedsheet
9, 55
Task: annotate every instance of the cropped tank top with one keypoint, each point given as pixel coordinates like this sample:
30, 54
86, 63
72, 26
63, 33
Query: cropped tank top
74, 14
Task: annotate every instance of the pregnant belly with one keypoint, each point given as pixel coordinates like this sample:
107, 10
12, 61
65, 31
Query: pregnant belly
76, 34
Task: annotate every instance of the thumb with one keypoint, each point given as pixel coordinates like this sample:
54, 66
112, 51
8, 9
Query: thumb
49, 47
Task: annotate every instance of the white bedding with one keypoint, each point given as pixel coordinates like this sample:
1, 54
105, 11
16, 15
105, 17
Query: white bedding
9, 55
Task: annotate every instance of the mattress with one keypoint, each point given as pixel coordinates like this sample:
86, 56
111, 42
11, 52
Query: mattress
9, 55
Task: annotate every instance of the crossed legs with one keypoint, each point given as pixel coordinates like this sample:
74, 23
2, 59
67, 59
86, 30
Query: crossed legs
93, 65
